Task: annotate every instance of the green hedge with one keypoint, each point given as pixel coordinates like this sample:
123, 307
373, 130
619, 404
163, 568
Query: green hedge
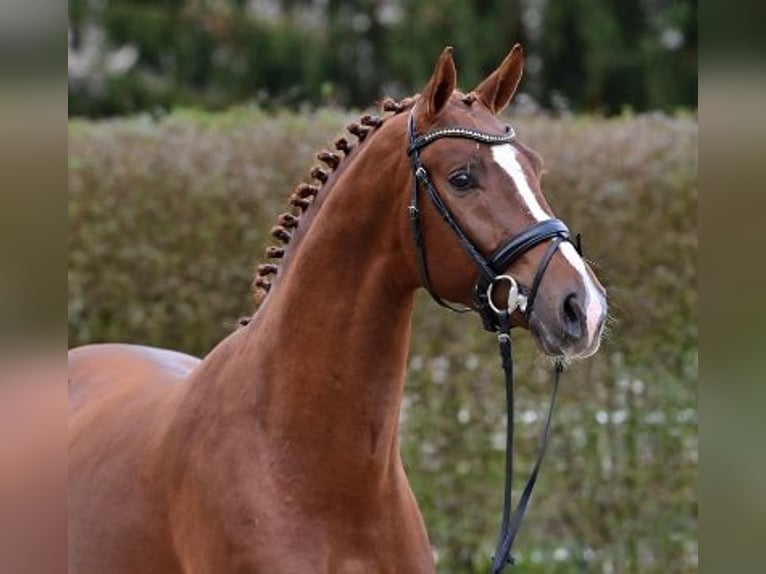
168, 218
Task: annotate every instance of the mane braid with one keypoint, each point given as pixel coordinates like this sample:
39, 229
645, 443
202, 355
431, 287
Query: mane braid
304, 193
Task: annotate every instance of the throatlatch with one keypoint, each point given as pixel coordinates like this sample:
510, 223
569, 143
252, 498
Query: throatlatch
495, 319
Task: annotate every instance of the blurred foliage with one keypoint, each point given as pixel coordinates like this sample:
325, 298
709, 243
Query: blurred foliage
596, 55
167, 217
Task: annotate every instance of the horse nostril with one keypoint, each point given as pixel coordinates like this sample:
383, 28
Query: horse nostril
573, 317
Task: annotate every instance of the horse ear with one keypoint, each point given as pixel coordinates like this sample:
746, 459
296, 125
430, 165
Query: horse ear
441, 85
498, 88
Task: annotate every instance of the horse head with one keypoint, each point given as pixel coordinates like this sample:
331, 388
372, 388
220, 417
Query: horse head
485, 236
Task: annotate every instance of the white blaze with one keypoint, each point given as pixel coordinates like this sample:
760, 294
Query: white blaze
505, 156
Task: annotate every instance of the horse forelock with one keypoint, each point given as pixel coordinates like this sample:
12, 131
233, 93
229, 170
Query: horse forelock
304, 195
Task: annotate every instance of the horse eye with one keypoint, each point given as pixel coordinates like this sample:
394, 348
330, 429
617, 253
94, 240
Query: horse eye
461, 181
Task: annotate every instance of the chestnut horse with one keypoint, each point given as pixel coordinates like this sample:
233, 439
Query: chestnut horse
278, 452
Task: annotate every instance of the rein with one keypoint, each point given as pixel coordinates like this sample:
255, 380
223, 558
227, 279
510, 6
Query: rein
494, 318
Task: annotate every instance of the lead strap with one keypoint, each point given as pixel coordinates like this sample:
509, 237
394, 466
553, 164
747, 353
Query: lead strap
510, 524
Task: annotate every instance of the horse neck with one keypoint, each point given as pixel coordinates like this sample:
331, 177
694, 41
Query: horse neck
323, 360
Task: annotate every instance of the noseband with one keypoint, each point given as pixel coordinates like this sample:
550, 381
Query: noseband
495, 319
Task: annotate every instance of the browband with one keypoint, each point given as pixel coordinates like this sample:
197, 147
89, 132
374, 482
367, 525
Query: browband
459, 132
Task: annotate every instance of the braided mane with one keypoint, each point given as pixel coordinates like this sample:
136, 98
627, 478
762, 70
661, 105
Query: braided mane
304, 194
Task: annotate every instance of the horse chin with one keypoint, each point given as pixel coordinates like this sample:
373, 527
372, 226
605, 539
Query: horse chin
553, 346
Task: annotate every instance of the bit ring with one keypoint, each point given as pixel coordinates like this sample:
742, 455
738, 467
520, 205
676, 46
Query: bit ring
515, 298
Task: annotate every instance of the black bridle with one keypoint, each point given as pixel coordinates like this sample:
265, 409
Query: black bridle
495, 319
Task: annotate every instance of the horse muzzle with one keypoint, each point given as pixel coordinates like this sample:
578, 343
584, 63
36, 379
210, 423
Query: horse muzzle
570, 325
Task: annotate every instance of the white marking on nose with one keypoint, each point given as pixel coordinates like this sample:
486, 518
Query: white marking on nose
594, 303
505, 156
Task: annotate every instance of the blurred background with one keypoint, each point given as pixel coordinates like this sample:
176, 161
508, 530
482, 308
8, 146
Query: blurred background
586, 55
191, 121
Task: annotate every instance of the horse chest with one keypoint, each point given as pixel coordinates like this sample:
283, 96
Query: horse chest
265, 528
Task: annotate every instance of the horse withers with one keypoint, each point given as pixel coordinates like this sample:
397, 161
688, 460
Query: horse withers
278, 452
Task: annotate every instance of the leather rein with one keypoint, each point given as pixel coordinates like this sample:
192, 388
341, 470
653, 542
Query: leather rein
495, 319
